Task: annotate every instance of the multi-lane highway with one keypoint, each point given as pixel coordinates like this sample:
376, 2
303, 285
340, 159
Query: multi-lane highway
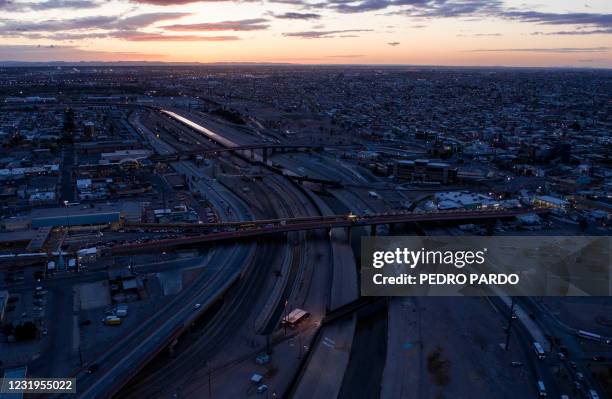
119, 364
334, 343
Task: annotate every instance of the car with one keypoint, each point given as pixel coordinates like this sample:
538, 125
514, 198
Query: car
92, 369
593, 394
579, 376
573, 365
197, 306
262, 359
561, 356
516, 364
262, 388
44, 331
598, 358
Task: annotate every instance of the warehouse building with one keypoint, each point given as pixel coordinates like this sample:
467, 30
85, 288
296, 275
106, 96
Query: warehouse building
90, 214
422, 170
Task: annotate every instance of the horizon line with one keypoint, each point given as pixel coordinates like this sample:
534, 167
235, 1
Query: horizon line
15, 63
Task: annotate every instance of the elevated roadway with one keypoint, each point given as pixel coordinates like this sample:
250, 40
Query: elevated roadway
252, 229
265, 147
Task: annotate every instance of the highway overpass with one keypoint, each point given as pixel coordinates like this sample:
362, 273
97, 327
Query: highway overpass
254, 229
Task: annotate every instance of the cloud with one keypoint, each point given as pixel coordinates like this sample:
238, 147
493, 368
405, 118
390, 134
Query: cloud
129, 35
12, 6
181, 2
157, 37
123, 28
548, 50
96, 22
240, 25
302, 3
142, 20
575, 32
297, 15
68, 53
393, 44
52, 25
481, 9
481, 35
166, 2
420, 8
324, 34
542, 18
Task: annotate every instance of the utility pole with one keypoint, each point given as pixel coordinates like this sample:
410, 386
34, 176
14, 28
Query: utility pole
508, 330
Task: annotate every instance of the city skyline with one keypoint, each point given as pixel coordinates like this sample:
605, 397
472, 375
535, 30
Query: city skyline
417, 32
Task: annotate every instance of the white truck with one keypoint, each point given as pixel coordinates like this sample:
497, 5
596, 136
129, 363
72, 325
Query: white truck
295, 317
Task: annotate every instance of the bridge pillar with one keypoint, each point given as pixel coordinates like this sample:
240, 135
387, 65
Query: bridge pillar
373, 230
392, 227
252, 154
349, 232
265, 155
490, 225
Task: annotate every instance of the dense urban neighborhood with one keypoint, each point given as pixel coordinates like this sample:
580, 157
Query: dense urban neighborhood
195, 231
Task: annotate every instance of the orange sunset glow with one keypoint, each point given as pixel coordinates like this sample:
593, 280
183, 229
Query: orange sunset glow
419, 32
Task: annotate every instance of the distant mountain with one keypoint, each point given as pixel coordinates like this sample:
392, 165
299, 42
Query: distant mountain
9, 63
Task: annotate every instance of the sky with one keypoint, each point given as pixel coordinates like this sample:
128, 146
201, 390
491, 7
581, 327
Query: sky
541, 33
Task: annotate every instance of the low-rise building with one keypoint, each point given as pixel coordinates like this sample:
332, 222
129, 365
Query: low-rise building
423, 170
548, 201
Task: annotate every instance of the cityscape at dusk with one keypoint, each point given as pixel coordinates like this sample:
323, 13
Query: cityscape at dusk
569, 33
305, 199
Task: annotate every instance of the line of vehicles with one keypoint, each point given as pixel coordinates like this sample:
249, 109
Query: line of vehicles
541, 354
